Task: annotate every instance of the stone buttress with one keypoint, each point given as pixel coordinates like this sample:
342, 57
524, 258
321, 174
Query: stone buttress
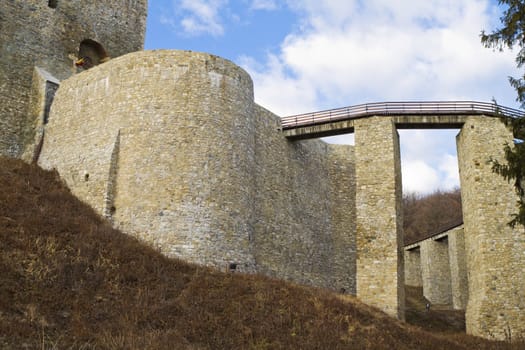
495, 252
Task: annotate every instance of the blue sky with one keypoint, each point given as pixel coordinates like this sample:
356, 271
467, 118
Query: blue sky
308, 55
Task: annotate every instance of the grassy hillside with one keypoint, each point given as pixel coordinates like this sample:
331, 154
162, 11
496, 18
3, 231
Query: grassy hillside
69, 281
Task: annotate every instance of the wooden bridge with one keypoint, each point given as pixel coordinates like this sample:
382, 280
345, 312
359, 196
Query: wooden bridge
406, 115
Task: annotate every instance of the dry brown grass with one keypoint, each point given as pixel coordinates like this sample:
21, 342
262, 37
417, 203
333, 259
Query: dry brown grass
437, 319
69, 281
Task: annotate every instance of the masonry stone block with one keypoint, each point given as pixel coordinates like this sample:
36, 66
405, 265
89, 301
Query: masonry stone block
435, 270
413, 275
495, 253
380, 269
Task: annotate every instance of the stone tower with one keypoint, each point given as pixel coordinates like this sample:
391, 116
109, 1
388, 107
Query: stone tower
39, 43
169, 159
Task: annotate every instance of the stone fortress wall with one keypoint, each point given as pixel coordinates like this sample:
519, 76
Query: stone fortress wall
170, 147
438, 265
187, 161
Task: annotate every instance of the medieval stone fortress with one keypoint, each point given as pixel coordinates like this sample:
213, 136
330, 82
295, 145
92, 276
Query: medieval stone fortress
170, 147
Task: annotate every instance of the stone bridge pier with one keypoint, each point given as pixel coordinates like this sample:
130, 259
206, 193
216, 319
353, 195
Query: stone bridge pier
380, 269
495, 253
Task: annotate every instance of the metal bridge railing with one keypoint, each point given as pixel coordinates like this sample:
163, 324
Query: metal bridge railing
398, 108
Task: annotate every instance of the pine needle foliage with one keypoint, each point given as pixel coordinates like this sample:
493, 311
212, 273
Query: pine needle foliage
514, 168
512, 34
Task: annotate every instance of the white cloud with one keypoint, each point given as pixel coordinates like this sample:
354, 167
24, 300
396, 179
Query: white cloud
268, 5
419, 177
279, 91
349, 52
449, 168
352, 52
196, 17
435, 148
167, 20
429, 160
430, 145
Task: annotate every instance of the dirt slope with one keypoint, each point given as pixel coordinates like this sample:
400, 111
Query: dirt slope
69, 281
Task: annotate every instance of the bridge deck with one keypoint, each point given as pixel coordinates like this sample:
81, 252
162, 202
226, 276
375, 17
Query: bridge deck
406, 115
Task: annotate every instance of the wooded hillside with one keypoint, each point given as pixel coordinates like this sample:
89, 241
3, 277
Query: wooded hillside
427, 215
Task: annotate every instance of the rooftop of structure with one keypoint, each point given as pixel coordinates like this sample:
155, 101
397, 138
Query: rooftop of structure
437, 234
406, 115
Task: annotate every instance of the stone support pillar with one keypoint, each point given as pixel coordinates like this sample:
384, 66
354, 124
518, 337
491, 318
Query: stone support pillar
458, 268
495, 252
380, 268
413, 267
436, 271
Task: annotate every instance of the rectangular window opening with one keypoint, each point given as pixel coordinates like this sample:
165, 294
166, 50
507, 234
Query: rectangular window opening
53, 4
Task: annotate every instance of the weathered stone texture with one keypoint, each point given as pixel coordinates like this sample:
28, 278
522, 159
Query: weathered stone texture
170, 147
342, 173
188, 162
38, 110
495, 252
297, 192
380, 269
413, 274
32, 34
179, 146
435, 270
458, 268
438, 264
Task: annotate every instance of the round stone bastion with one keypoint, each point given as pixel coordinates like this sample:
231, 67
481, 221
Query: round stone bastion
162, 144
